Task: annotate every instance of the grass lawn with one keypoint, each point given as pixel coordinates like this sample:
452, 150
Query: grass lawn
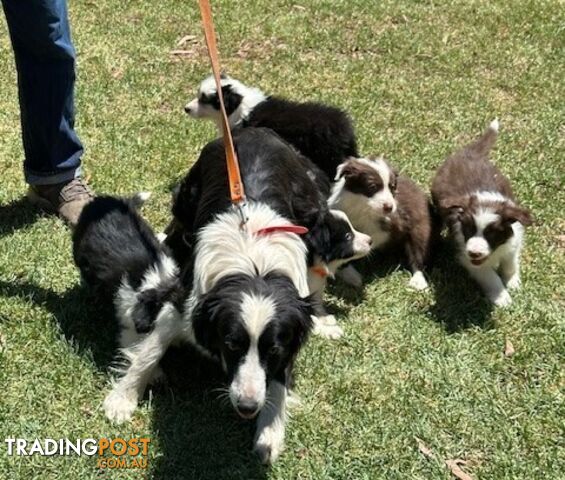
419, 79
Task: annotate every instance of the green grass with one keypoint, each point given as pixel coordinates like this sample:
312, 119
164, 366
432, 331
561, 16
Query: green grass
419, 78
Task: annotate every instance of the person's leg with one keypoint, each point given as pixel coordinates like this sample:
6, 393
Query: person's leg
45, 62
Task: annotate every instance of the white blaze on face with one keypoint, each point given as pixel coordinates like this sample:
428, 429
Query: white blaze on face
477, 246
250, 380
384, 196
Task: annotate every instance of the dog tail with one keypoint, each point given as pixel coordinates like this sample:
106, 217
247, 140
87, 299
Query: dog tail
481, 147
139, 199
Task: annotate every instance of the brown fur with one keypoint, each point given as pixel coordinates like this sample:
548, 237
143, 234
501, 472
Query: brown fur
466, 172
411, 227
364, 180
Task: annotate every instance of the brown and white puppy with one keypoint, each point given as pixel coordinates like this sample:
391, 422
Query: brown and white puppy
476, 202
388, 207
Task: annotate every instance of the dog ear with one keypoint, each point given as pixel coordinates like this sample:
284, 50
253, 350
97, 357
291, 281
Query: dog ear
347, 169
205, 321
304, 323
515, 213
318, 238
454, 207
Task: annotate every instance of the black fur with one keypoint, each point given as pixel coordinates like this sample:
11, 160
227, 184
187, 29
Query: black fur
232, 99
322, 133
112, 242
273, 173
219, 328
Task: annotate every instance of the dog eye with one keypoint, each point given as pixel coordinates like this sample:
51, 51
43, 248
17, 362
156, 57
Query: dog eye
274, 350
349, 236
231, 345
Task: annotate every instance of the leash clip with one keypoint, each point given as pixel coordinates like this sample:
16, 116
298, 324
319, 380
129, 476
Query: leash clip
241, 207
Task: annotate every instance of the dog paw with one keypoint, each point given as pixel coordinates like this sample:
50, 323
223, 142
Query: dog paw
327, 327
161, 236
418, 281
502, 299
269, 444
514, 282
119, 407
351, 276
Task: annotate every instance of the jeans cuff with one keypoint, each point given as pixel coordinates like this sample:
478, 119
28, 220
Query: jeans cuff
67, 176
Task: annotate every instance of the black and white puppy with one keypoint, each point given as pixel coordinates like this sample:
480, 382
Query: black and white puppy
476, 202
291, 184
391, 208
322, 133
119, 256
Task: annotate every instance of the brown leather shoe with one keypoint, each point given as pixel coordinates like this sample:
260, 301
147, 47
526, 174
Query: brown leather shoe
66, 199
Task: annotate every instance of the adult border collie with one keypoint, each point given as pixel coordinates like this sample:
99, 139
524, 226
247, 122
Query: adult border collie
322, 133
274, 173
121, 259
476, 202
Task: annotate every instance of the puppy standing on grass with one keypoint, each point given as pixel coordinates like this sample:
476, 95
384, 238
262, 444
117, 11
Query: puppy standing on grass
476, 202
390, 208
119, 256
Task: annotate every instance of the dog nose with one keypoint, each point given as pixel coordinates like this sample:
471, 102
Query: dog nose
474, 254
387, 207
370, 241
187, 109
247, 408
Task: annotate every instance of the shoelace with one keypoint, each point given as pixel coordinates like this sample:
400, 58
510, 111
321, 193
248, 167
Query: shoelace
75, 188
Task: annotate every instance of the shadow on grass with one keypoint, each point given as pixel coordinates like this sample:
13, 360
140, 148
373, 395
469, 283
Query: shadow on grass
378, 266
459, 301
86, 323
199, 433
17, 214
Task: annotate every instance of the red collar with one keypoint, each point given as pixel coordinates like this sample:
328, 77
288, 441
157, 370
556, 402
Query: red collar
283, 228
320, 271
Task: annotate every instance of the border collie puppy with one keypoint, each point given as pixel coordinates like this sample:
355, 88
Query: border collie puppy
274, 173
119, 256
390, 208
322, 133
331, 245
476, 202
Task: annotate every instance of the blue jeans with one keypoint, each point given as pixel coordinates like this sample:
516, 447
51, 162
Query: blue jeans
45, 62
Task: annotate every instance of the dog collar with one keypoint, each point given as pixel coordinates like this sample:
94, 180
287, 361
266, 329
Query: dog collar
320, 271
283, 228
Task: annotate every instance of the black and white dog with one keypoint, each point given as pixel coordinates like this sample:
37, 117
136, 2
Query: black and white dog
291, 184
249, 305
476, 202
119, 256
322, 133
